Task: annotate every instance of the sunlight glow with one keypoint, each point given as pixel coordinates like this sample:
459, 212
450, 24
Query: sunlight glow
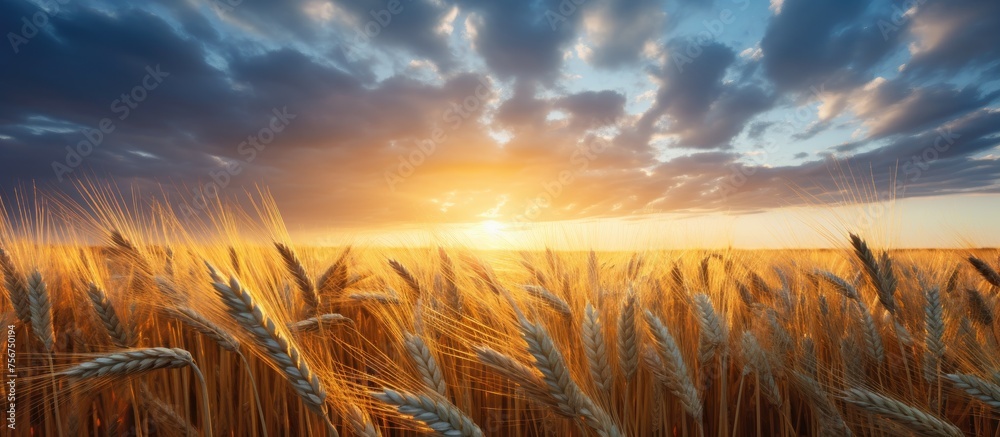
492, 227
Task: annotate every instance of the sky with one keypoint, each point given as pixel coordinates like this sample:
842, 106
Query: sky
724, 122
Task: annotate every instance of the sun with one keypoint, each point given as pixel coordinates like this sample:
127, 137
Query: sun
492, 227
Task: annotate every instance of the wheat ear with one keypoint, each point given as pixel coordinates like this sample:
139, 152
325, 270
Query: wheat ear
383, 298
840, 284
164, 415
934, 347
985, 391
359, 422
678, 380
132, 362
873, 339
298, 272
279, 349
334, 279
757, 360
906, 415
713, 330
429, 370
121, 334
198, 322
596, 350
979, 310
226, 341
628, 344
985, 271
527, 378
556, 375
17, 290
437, 414
831, 422
407, 277
550, 299
41, 309
313, 324
880, 272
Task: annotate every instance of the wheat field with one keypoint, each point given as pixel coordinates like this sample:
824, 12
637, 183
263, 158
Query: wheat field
126, 325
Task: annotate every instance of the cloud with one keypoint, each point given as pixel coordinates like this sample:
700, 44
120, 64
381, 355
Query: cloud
620, 31
517, 39
824, 42
953, 35
497, 98
704, 111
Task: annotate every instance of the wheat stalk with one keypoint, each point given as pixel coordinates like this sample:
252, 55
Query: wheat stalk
437, 414
909, 416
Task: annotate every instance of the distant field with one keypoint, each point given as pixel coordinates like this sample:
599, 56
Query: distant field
234, 338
